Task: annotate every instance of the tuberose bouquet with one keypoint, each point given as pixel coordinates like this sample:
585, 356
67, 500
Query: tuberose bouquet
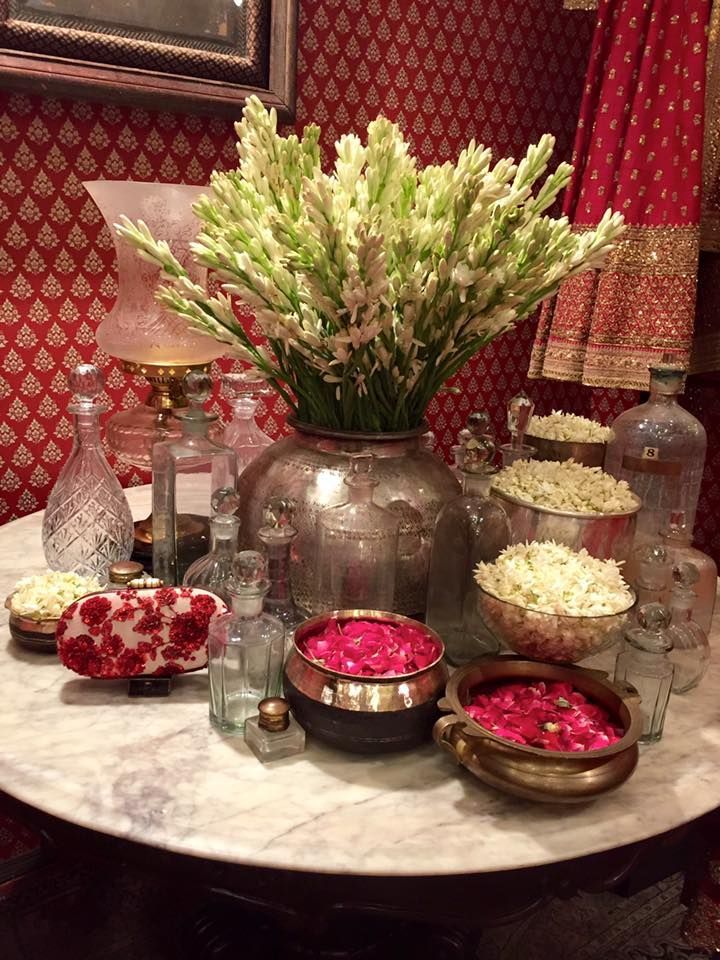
374, 283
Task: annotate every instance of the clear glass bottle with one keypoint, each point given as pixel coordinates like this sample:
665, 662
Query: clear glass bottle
245, 648
277, 536
519, 413
659, 448
645, 663
691, 650
677, 539
214, 571
469, 529
654, 573
273, 734
87, 524
243, 434
357, 547
187, 474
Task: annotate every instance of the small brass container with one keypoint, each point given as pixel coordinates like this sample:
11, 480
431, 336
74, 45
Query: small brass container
363, 714
530, 772
34, 634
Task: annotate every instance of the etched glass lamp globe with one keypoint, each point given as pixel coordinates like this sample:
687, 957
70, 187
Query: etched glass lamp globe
151, 341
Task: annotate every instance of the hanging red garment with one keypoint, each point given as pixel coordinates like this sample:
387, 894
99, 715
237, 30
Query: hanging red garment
638, 149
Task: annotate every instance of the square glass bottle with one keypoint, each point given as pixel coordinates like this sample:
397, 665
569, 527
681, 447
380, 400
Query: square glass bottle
273, 734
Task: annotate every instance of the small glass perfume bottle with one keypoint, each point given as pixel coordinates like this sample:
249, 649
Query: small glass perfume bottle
245, 648
469, 529
357, 547
87, 524
187, 474
677, 539
645, 663
519, 413
243, 434
214, 571
691, 650
654, 573
273, 734
277, 536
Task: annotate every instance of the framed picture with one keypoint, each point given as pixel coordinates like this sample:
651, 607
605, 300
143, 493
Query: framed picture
199, 55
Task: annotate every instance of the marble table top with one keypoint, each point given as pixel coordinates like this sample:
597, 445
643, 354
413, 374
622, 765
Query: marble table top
154, 771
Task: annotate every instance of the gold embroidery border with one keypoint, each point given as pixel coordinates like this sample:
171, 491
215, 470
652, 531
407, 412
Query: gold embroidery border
710, 220
653, 251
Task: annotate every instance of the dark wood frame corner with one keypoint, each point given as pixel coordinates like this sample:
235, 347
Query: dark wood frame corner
57, 61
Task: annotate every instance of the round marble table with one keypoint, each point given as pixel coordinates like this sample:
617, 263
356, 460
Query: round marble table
155, 772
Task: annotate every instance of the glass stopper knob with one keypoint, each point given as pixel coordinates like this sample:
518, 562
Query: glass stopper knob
519, 411
243, 384
226, 500
478, 423
361, 470
197, 386
654, 553
249, 568
686, 574
278, 512
86, 381
654, 616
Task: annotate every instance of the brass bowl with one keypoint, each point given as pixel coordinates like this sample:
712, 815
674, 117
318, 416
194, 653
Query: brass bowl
588, 454
33, 634
363, 714
531, 772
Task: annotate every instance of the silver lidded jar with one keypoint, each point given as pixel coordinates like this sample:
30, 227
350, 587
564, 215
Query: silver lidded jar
310, 466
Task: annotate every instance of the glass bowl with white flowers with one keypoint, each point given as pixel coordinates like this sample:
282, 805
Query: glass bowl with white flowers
550, 603
37, 603
568, 436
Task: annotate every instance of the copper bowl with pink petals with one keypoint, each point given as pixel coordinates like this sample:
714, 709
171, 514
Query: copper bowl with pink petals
364, 714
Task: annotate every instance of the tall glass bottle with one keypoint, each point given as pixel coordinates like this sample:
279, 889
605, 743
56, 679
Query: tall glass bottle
187, 474
277, 536
659, 448
87, 523
214, 571
357, 547
245, 648
243, 434
677, 540
469, 529
691, 650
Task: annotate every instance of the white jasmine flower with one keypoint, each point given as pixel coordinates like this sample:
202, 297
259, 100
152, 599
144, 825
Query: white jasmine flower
45, 596
569, 427
565, 486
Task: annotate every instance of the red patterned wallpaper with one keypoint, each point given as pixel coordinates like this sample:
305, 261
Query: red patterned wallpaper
502, 71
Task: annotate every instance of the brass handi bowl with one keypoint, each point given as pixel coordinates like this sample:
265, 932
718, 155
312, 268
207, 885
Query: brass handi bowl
34, 634
363, 714
588, 454
531, 772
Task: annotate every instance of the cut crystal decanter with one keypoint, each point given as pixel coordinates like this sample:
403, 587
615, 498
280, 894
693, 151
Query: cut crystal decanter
245, 648
87, 523
357, 547
277, 536
691, 650
659, 448
214, 571
189, 474
470, 528
243, 434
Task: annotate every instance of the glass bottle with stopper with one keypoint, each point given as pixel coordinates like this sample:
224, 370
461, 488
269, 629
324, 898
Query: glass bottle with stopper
214, 571
691, 650
519, 413
469, 529
357, 547
654, 573
245, 648
87, 523
659, 449
645, 663
187, 474
243, 434
677, 540
277, 535
273, 734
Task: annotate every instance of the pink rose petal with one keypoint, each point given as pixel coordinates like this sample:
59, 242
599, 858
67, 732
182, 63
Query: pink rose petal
371, 648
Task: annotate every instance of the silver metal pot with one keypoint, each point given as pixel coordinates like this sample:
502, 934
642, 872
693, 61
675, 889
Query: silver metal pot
310, 466
605, 536
588, 454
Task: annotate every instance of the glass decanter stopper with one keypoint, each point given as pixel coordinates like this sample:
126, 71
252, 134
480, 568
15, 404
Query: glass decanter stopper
659, 448
277, 536
691, 650
644, 662
654, 573
187, 474
274, 734
519, 413
243, 434
469, 529
357, 547
87, 523
245, 648
677, 538
214, 571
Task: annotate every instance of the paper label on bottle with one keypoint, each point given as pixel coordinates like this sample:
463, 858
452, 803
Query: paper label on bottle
650, 462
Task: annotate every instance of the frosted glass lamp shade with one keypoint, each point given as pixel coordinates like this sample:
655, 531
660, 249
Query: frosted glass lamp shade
138, 329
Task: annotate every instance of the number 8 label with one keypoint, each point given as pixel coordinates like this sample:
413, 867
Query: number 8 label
650, 453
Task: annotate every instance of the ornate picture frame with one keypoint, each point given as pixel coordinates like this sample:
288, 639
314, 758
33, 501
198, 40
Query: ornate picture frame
195, 55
